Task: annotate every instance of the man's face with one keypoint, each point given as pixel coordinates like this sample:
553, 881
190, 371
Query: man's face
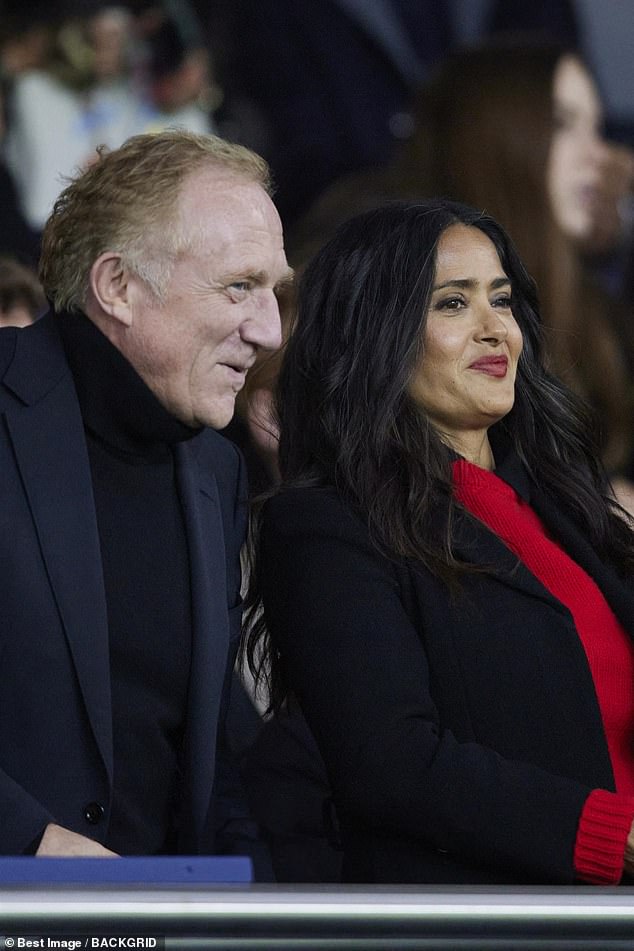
195, 347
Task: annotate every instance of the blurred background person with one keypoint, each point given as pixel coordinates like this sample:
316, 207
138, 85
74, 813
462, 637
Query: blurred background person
346, 73
22, 299
332, 81
25, 38
176, 67
49, 128
17, 238
25, 34
107, 72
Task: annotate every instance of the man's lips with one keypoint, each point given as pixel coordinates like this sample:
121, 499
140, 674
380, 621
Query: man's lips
236, 374
239, 367
492, 366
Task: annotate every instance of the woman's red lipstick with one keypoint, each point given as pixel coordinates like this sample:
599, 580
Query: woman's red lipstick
493, 366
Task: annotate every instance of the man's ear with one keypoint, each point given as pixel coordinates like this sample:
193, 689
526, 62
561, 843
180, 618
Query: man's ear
110, 286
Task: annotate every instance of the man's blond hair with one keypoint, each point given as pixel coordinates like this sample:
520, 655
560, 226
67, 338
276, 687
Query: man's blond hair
127, 202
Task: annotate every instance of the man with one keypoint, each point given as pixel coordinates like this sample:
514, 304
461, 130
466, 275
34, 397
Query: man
123, 511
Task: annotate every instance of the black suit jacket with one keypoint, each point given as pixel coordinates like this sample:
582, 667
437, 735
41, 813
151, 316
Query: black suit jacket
461, 735
55, 715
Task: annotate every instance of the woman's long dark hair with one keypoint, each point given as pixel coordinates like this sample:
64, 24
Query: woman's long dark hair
347, 420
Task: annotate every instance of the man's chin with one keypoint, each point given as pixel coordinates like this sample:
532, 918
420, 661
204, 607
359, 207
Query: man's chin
217, 417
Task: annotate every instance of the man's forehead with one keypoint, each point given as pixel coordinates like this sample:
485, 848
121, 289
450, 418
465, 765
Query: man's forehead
223, 212
261, 261
223, 190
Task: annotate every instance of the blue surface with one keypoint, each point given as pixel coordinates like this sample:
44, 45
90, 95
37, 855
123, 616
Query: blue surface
144, 869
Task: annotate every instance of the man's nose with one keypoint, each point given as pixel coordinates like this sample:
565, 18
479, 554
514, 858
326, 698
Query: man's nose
264, 328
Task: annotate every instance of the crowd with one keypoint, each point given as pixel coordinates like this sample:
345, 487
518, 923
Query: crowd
419, 667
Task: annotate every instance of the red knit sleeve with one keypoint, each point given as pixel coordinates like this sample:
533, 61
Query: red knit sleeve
604, 826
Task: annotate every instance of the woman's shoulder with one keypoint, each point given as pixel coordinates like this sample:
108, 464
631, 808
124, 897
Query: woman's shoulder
312, 509
318, 527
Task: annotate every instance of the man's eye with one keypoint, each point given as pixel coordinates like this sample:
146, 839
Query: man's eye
240, 285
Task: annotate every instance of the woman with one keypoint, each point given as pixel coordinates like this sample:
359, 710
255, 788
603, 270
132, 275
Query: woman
517, 130
447, 586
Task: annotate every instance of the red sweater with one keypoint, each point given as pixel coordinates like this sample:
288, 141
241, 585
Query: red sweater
606, 817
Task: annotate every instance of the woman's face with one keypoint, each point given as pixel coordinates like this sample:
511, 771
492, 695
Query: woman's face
465, 381
578, 153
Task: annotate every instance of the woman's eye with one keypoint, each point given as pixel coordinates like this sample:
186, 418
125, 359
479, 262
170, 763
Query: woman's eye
505, 301
451, 303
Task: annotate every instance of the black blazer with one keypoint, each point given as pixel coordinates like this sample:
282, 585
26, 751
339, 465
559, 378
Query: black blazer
55, 716
461, 736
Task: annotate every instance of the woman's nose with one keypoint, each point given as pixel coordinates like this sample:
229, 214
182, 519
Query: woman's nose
491, 326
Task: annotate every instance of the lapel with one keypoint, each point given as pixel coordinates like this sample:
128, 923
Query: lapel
210, 635
478, 544
48, 440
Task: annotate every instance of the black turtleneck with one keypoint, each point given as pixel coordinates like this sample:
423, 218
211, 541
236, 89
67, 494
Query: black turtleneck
131, 440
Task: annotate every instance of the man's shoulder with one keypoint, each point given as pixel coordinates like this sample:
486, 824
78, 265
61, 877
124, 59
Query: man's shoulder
32, 359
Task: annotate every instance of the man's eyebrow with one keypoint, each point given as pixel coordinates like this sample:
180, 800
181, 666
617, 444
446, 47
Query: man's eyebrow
261, 277
287, 279
470, 283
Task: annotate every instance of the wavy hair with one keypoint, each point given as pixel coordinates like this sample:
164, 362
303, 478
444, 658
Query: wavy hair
347, 419
127, 201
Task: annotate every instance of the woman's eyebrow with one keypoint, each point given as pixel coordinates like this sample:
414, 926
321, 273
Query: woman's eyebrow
471, 282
